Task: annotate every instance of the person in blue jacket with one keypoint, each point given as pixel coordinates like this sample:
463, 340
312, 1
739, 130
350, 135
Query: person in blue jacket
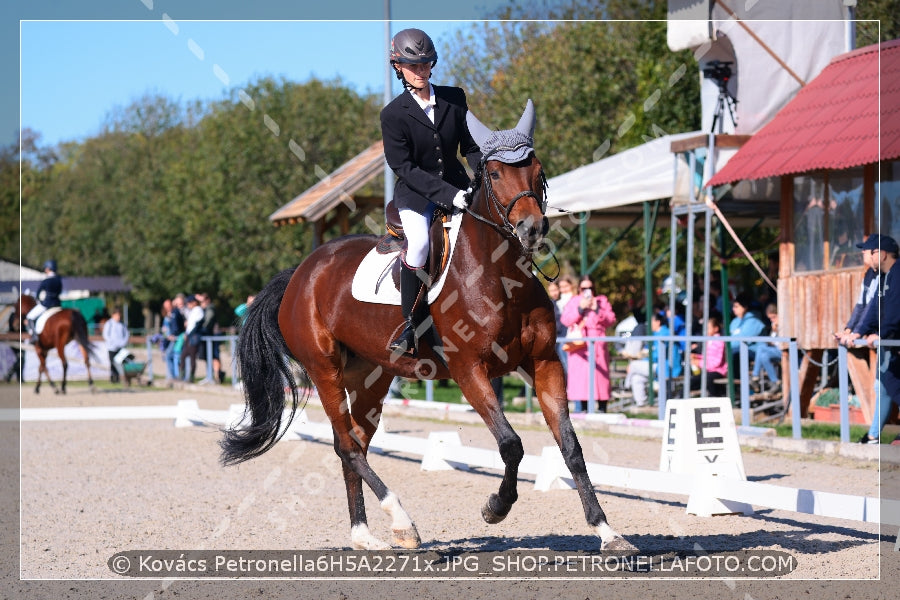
881, 321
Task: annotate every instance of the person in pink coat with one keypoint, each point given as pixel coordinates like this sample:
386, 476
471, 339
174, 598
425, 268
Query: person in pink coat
588, 315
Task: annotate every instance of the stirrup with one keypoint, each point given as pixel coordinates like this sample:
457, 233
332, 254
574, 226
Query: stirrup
406, 342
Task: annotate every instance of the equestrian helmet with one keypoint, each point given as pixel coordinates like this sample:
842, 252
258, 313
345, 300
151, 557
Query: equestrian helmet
50, 264
412, 47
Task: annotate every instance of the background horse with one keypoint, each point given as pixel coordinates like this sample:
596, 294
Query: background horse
492, 316
60, 329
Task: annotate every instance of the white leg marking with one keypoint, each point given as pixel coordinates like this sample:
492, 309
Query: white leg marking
606, 533
391, 505
611, 540
363, 539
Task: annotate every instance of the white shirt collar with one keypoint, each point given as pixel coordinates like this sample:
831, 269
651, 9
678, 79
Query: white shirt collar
425, 104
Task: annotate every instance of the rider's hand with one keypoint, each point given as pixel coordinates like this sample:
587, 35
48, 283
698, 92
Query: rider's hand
461, 200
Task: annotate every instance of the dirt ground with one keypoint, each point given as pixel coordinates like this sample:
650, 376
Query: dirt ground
91, 489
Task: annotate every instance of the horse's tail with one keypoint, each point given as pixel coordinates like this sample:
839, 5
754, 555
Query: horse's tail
80, 333
262, 357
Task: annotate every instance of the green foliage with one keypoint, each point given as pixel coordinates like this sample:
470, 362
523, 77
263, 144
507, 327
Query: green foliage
877, 21
177, 198
599, 88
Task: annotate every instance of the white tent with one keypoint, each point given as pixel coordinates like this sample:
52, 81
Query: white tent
645, 172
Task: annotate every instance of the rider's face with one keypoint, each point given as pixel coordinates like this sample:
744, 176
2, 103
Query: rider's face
416, 75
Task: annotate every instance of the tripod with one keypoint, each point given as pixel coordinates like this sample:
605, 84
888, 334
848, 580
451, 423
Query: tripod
725, 100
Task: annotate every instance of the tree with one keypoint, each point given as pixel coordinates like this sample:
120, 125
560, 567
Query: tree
599, 87
177, 198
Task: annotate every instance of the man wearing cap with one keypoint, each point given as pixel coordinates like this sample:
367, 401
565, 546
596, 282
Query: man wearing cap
881, 321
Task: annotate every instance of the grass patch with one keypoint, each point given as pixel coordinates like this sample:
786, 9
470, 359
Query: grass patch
513, 387
819, 431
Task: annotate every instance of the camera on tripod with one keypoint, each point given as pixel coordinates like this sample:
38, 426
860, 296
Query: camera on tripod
718, 70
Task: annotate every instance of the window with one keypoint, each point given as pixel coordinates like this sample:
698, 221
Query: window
809, 222
845, 218
829, 219
888, 192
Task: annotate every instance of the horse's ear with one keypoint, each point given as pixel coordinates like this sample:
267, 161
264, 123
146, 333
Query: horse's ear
525, 125
480, 133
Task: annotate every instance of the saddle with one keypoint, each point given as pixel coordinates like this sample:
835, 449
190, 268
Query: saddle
395, 241
44, 317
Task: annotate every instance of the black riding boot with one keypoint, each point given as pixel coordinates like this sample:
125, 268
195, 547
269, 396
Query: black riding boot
412, 293
32, 333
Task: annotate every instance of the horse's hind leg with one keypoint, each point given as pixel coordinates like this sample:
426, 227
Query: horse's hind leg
351, 440
549, 385
61, 351
87, 365
477, 388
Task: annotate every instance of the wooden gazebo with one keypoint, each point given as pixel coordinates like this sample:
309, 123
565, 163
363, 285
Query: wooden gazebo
332, 202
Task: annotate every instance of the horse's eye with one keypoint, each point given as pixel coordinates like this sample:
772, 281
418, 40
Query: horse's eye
495, 175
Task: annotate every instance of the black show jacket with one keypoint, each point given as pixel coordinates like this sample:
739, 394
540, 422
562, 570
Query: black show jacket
423, 154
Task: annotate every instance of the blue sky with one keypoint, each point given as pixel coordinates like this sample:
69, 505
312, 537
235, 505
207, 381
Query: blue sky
78, 65
74, 73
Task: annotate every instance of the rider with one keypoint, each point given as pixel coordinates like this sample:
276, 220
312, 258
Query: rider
423, 128
47, 297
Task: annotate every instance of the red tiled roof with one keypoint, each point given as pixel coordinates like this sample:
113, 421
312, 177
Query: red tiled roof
832, 123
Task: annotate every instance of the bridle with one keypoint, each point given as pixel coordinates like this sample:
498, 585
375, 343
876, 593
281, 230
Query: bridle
496, 207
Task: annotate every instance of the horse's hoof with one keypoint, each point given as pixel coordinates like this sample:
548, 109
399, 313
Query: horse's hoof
406, 538
619, 546
493, 510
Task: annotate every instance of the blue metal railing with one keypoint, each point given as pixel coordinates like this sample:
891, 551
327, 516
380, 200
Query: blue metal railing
743, 370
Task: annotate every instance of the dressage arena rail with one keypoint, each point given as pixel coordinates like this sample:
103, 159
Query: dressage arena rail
742, 373
444, 451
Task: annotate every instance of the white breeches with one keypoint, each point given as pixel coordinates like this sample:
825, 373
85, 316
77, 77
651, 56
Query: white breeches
415, 228
35, 312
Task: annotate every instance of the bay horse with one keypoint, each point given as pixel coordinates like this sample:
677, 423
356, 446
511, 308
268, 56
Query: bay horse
492, 316
60, 329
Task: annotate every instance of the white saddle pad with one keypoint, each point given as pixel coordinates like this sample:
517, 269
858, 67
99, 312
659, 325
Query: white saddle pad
44, 316
373, 282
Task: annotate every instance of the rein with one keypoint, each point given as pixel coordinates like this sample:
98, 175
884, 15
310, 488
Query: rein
507, 229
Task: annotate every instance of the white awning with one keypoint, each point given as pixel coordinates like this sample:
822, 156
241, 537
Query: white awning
645, 172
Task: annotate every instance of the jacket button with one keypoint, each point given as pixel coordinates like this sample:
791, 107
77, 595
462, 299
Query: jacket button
440, 160
440, 173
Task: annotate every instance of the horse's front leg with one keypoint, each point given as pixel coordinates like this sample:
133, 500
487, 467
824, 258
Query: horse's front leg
550, 388
42, 370
477, 389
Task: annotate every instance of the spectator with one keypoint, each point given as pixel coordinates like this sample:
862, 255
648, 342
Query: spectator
192, 326
115, 336
638, 375
554, 293
881, 321
241, 311
173, 330
767, 355
868, 291
565, 294
716, 359
208, 328
746, 322
590, 315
